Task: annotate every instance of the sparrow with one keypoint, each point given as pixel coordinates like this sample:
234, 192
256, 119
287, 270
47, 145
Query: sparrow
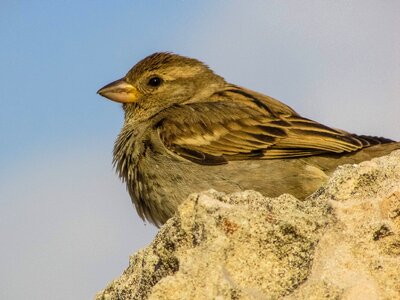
187, 130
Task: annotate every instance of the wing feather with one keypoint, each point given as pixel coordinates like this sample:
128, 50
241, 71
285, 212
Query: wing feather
241, 125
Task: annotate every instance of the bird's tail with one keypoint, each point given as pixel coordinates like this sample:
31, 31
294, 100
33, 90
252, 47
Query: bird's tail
368, 140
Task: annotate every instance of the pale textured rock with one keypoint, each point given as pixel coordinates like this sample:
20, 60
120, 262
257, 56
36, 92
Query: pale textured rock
358, 256
341, 243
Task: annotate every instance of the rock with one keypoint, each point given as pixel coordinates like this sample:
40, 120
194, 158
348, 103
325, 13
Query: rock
343, 242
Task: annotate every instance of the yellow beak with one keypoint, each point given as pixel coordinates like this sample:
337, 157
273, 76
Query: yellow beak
120, 91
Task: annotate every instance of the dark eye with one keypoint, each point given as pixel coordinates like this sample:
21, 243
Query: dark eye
154, 81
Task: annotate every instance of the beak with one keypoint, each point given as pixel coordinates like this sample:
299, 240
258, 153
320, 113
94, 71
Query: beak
120, 91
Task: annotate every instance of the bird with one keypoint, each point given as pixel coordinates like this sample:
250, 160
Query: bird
186, 130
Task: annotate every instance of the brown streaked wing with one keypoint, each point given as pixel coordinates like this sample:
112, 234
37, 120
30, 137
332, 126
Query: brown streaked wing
216, 132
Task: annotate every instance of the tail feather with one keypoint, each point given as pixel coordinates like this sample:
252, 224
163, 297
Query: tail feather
368, 140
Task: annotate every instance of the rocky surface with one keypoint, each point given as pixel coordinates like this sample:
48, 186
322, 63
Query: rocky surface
343, 242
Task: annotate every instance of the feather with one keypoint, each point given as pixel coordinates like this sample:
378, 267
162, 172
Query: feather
241, 124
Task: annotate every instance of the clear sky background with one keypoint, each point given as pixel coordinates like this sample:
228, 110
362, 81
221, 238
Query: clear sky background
67, 226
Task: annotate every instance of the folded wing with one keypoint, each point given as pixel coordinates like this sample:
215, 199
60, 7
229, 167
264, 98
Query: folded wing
249, 126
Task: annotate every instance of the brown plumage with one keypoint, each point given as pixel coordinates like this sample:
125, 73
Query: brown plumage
186, 130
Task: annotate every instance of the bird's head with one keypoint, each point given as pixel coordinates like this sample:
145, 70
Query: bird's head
162, 80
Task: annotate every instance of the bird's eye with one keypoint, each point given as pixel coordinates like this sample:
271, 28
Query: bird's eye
154, 81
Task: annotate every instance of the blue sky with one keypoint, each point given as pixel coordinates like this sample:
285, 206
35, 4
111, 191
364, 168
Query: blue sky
67, 225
